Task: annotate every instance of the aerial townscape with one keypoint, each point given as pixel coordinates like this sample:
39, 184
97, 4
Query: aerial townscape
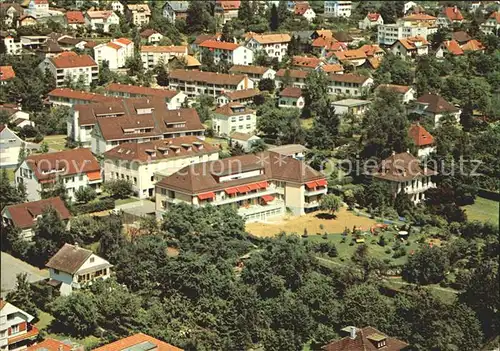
249, 175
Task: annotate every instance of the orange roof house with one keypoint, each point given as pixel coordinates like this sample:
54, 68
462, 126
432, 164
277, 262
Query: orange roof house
6, 73
74, 17
420, 135
138, 341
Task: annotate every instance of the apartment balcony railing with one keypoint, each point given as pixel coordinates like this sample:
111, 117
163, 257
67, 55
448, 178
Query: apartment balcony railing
317, 191
311, 204
271, 190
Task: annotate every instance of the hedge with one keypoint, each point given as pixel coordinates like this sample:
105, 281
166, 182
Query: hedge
95, 206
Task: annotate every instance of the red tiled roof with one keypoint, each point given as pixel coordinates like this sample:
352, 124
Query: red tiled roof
410, 42
350, 55
141, 91
24, 215
177, 49
473, 45
100, 14
70, 59
453, 47
496, 16
420, 135
136, 339
305, 61
242, 94
292, 92
401, 167
50, 345
207, 77
270, 38
80, 95
6, 73
114, 45
67, 162
294, 73
371, 49
75, 17
365, 340
248, 69
146, 33
436, 103
453, 13
229, 4
123, 41
227, 109
222, 45
301, 8
348, 78
332, 68
373, 16
400, 89
419, 17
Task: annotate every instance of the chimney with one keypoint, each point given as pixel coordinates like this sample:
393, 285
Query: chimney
352, 333
455, 9
76, 246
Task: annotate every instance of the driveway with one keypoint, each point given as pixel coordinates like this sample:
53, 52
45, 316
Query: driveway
138, 208
12, 266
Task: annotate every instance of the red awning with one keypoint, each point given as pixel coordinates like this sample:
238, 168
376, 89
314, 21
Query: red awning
322, 182
204, 196
231, 191
243, 189
254, 186
311, 185
267, 198
263, 185
94, 175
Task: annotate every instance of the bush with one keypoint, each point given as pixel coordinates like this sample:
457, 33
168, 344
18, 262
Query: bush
95, 206
43, 294
388, 251
399, 252
118, 188
85, 194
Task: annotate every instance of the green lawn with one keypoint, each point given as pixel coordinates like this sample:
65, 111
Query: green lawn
446, 295
483, 210
55, 142
11, 174
44, 320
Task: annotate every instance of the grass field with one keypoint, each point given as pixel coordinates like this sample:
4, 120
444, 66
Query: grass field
483, 210
55, 142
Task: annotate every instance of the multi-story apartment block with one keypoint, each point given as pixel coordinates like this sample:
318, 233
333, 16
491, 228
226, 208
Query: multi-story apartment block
75, 169
234, 117
195, 83
410, 47
227, 9
403, 172
139, 13
173, 99
349, 84
138, 162
255, 73
231, 53
173, 10
101, 20
70, 65
259, 186
291, 77
69, 97
151, 56
73, 267
16, 330
116, 52
274, 45
338, 8
24, 216
12, 46
492, 24
413, 25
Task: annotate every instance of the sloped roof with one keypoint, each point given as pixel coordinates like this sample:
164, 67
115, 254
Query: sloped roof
401, 167
24, 215
453, 47
207, 77
436, 103
69, 258
99, 14
221, 45
249, 69
80, 95
350, 55
306, 61
371, 49
146, 33
294, 73
270, 38
138, 90
292, 92
301, 8
411, 43
373, 16
177, 49
71, 60
348, 78
139, 8
420, 135
343, 37
453, 13
75, 17
229, 109
50, 345
419, 17
6, 73
227, 5
496, 16
473, 45
461, 36
400, 89
362, 342
242, 94
137, 339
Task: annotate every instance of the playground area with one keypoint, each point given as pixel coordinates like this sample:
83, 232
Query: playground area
317, 222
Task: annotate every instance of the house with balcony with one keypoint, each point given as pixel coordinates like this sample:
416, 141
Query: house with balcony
140, 14
410, 47
234, 117
405, 92
38, 8
419, 24
16, 329
231, 53
274, 45
173, 10
255, 73
75, 169
101, 20
151, 56
492, 24
404, 174
422, 139
173, 99
291, 97
434, 106
139, 162
243, 97
138, 342
71, 66
24, 216
337, 8
259, 186
74, 267
116, 52
194, 83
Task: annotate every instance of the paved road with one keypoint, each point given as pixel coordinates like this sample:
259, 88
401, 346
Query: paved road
12, 266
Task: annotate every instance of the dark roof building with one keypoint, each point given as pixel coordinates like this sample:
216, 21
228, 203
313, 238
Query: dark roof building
365, 339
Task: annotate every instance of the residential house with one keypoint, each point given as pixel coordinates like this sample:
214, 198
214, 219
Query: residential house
243, 97
291, 77
231, 53
372, 19
138, 342
186, 61
10, 13
203, 37
324, 46
74, 267
38, 8
343, 37
274, 45
24, 216
118, 7
68, 43
473, 45
116, 52
12, 45
406, 92
16, 329
74, 19
449, 47
138, 162
101, 20
6, 74
492, 24
461, 37
151, 56
227, 9
259, 186
363, 339
234, 117
55, 345
337, 8
69, 97
255, 73
410, 47
435, 106
16, 116
374, 54
422, 139
349, 84
291, 97
173, 99
195, 83
33, 42
355, 107
404, 174
313, 63
70, 65
450, 16
10, 146
134, 120
151, 36
352, 58
173, 10
26, 21
305, 10
245, 140
408, 6
139, 13
413, 25
75, 169
297, 151
50, 48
